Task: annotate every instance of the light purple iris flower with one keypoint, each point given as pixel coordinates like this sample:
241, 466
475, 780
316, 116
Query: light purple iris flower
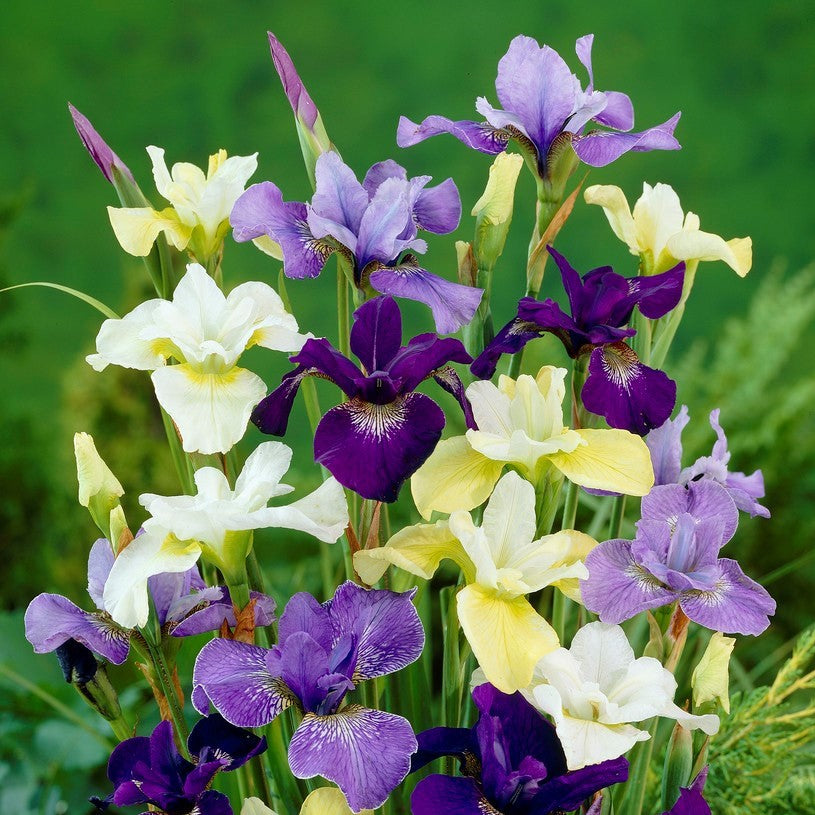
675, 557
665, 444
98, 149
619, 387
546, 108
184, 606
384, 432
375, 224
324, 651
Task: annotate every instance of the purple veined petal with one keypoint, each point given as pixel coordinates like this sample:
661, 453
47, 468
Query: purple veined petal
373, 449
422, 356
100, 562
452, 304
665, 445
568, 791
51, 620
321, 357
212, 802
656, 295
98, 149
509, 340
618, 112
536, 85
477, 135
271, 414
443, 741
339, 199
618, 587
304, 613
601, 148
744, 489
125, 756
386, 628
453, 796
630, 395
376, 335
299, 99
380, 172
738, 605
235, 678
438, 209
261, 210
219, 611
366, 753
450, 381
387, 218
214, 736
702, 499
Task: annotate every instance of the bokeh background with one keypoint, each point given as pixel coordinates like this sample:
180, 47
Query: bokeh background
196, 76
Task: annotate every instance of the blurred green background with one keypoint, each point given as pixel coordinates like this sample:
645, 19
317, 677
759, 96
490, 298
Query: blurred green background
196, 76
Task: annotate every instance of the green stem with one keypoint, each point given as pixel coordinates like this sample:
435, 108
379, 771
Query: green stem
451, 668
638, 777
165, 681
617, 514
570, 506
343, 318
183, 467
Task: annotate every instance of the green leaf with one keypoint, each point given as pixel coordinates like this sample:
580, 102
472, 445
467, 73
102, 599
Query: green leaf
91, 301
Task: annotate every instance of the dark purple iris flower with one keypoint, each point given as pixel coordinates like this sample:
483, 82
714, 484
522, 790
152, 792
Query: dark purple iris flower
619, 387
151, 770
691, 801
512, 763
375, 224
323, 652
545, 109
384, 431
184, 606
665, 444
675, 557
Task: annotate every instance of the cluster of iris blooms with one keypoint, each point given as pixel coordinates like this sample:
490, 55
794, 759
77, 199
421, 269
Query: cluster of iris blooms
553, 725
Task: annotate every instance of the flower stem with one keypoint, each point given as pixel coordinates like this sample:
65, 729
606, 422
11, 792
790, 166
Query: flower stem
165, 680
638, 777
617, 514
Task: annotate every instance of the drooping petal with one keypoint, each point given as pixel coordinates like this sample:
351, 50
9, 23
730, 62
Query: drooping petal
618, 587
598, 149
372, 449
655, 295
612, 460
211, 410
454, 477
51, 620
509, 340
452, 304
214, 736
569, 790
693, 244
235, 677
631, 396
478, 135
737, 604
453, 796
377, 333
665, 444
387, 631
366, 753
261, 211
136, 228
508, 637
318, 356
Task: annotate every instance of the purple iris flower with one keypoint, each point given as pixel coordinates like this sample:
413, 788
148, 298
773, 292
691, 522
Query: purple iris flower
384, 431
512, 763
323, 652
691, 801
675, 557
374, 224
619, 387
665, 444
184, 606
545, 108
151, 770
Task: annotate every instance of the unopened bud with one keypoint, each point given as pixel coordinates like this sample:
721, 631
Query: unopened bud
99, 489
678, 765
493, 211
711, 677
80, 668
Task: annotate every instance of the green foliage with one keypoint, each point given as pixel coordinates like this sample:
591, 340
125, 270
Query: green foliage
761, 762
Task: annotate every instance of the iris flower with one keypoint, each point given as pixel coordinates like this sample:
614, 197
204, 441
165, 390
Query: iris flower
374, 224
596, 690
675, 557
198, 216
619, 387
546, 109
502, 563
520, 424
151, 771
324, 651
665, 444
207, 395
512, 764
217, 524
383, 432
661, 234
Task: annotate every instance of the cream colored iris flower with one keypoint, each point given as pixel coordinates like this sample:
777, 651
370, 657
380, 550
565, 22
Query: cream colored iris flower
198, 218
520, 424
207, 395
661, 234
502, 563
322, 801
